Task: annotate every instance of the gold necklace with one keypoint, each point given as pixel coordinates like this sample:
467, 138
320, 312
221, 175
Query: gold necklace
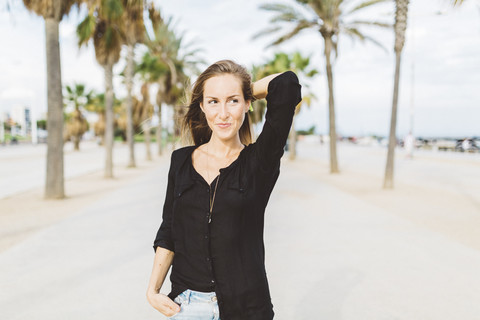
212, 199
214, 192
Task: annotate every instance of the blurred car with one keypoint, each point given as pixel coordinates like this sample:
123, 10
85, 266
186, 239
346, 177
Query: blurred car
466, 145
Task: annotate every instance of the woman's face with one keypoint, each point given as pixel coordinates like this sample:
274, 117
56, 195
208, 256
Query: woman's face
224, 105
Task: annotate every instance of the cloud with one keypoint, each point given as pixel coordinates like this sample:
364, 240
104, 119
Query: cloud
14, 93
445, 51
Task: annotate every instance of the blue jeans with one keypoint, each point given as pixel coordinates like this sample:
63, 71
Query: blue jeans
196, 305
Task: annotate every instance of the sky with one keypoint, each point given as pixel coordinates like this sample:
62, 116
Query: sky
440, 75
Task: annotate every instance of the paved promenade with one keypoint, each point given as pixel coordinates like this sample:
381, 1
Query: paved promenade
337, 246
23, 166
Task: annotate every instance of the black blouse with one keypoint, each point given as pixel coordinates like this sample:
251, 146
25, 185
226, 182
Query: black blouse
227, 255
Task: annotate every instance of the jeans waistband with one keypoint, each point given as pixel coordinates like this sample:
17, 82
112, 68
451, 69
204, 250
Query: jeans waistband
197, 296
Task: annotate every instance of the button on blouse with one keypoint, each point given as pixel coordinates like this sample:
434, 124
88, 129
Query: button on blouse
227, 255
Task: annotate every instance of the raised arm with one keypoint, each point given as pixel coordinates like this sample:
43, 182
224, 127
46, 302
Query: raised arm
260, 87
283, 93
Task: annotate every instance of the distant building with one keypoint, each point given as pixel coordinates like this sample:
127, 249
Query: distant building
22, 117
3, 119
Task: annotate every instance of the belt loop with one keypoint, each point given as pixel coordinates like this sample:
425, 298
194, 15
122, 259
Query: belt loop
188, 293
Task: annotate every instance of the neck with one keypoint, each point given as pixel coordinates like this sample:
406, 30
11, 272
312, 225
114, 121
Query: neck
224, 148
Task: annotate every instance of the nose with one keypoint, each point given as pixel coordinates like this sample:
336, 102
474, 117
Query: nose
223, 111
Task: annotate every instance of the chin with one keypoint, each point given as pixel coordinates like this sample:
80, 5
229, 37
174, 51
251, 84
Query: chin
226, 136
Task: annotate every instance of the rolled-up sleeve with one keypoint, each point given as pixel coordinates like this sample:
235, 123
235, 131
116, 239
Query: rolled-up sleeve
284, 94
164, 234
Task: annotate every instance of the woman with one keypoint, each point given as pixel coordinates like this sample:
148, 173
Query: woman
218, 188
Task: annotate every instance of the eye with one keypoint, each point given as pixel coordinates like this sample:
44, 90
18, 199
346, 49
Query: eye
212, 101
234, 100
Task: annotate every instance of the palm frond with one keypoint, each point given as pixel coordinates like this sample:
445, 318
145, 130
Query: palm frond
299, 61
85, 29
354, 33
111, 9
296, 30
312, 73
46, 9
371, 23
154, 16
322, 8
134, 21
285, 13
265, 32
280, 8
308, 99
364, 5
335, 47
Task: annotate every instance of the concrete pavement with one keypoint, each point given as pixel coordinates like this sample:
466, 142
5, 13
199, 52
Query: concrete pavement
22, 167
329, 255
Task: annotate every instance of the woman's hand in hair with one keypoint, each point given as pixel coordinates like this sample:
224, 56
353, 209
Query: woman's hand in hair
163, 304
260, 87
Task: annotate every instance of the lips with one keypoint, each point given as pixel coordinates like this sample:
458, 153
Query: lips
223, 125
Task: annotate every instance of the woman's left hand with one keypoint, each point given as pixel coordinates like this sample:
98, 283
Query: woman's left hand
163, 304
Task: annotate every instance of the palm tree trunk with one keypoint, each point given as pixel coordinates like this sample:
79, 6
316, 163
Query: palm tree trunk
159, 130
292, 147
101, 121
76, 143
78, 124
175, 127
54, 185
176, 121
146, 132
400, 26
129, 107
331, 107
145, 112
392, 140
109, 120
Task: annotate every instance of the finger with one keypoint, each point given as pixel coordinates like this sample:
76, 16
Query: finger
169, 313
170, 305
175, 307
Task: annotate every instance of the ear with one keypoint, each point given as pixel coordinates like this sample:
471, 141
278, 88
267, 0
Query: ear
247, 105
201, 107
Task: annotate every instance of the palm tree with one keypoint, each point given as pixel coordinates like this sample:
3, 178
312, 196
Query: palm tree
52, 12
259, 106
97, 105
401, 11
170, 61
330, 18
150, 70
134, 33
146, 112
77, 125
105, 25
300, 65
